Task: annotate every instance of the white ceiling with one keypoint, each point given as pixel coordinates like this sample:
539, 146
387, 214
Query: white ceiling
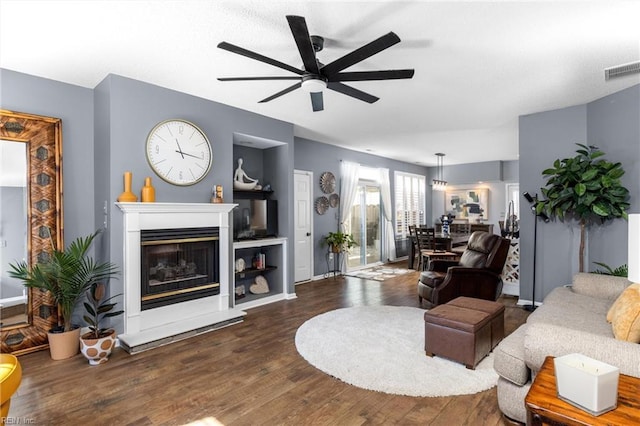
478, 65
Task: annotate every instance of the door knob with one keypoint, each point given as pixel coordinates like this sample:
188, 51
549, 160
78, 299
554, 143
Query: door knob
308, 234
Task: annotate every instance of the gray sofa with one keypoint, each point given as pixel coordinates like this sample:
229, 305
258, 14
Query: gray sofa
571, 319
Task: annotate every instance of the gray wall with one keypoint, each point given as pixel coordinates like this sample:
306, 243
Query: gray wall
510, 171
279, 174
319, 157
544, 137
612, 124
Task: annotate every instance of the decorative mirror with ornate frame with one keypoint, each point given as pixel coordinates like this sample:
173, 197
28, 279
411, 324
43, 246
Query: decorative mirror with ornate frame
41, 145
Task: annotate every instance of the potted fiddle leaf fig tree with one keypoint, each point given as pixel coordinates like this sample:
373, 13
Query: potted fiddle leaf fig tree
96, 344
67, 274
585, 188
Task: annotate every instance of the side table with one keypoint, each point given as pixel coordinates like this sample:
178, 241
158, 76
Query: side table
545, 408
338, 260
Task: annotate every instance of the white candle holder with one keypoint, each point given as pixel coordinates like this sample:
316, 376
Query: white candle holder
586, 383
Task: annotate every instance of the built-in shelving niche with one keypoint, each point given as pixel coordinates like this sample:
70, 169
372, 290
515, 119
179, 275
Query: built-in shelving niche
268, 161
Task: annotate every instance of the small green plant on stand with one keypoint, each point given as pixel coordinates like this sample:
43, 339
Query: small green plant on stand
339, 241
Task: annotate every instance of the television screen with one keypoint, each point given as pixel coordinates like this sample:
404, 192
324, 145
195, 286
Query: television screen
255, 219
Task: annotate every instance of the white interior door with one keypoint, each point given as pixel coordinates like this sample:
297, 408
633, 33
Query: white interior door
303, 248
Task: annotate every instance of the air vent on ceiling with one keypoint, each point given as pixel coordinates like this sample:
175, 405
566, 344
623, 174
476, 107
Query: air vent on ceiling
622, 70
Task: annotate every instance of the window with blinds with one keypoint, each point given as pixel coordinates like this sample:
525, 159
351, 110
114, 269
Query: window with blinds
410, 202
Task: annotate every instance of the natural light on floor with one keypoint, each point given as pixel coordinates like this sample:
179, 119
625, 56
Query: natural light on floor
207, 421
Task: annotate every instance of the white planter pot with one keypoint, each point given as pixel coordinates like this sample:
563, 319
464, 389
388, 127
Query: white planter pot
97, 351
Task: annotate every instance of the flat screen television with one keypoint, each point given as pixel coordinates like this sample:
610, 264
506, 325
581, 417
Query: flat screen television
254, 219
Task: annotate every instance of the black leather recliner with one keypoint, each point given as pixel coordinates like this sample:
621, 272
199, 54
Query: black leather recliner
476, 274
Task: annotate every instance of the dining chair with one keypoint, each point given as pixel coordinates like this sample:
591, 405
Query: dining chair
425, 240
429, 247
415, 249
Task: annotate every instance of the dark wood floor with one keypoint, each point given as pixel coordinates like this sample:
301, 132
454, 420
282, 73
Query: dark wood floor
249, 373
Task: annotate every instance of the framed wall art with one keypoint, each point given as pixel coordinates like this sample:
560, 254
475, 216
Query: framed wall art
471, 204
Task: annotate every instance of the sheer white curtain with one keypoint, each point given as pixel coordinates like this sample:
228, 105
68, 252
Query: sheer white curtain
349, 175
389, 249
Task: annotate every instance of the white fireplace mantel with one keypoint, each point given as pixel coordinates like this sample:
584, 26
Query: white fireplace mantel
157, 326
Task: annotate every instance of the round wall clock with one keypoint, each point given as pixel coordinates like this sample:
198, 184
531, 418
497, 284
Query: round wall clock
179, 152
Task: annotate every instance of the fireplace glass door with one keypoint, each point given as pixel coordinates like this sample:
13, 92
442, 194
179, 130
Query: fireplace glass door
178, 265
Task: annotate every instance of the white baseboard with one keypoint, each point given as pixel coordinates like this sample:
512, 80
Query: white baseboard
512, 289
525, 302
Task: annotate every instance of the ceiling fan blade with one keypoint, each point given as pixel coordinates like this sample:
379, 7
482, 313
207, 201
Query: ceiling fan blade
372, 75
282, 92
303, 40
317, 103
257, 78
360, 54
258, 57
352, 91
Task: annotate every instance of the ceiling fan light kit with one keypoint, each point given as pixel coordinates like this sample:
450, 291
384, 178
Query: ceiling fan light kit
315, 76
312, 84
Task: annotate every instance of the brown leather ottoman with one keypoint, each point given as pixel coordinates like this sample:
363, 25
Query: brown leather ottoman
495, 309
463, 333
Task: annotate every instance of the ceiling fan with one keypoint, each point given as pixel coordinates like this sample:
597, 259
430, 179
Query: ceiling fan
315, 76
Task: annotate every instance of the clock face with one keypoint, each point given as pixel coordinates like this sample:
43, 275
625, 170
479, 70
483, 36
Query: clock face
179, 152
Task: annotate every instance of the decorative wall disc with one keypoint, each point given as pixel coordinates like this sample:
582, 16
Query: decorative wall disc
322, 204
334, 200
327, 182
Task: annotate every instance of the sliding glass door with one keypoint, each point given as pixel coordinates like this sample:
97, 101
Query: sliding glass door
365, 226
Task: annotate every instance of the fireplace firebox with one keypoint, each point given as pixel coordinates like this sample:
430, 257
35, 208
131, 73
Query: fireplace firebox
178, 265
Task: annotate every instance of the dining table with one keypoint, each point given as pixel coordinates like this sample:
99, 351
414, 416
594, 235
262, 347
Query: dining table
446, 241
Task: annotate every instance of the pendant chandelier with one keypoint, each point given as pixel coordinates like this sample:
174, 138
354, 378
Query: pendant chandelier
439, 184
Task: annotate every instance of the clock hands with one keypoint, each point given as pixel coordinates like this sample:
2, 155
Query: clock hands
179, 149
190, 155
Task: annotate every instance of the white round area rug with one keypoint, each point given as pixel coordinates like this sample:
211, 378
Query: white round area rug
381, 348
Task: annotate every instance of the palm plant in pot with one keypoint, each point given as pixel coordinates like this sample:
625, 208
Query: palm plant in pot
96, 344
66, 274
